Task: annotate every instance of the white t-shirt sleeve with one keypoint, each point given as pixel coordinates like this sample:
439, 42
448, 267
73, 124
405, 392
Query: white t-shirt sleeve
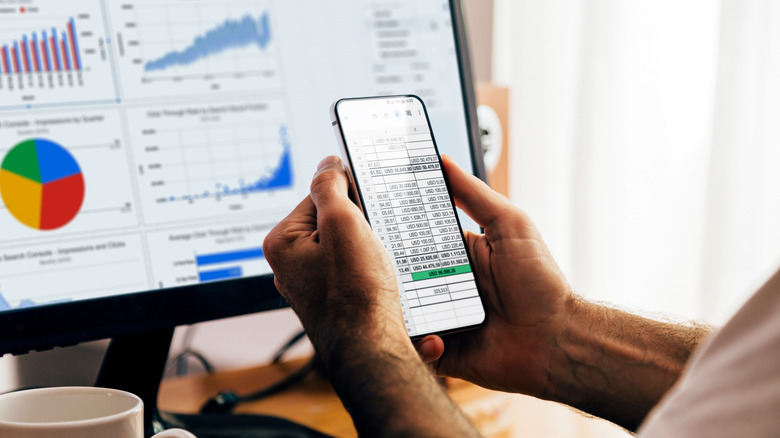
732, 386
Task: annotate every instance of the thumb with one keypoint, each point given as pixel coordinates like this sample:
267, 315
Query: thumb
430, 348
330, 195
329, 185
475, 197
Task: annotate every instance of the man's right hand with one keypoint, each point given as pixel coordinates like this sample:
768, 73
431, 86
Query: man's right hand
541, 339
526, 296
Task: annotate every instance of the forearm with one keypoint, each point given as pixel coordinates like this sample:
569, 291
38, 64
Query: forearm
390, 392
617, 365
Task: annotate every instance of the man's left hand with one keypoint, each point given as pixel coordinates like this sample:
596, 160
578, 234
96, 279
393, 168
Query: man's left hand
333, 269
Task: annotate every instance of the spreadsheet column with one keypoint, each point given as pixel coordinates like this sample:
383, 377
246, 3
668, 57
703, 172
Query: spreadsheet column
458, 301
371, 150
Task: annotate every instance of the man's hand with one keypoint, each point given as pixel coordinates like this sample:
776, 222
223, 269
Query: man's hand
524, 292
333, 270
341, 282
540, 338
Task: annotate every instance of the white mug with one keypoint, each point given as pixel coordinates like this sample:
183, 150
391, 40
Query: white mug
75, 412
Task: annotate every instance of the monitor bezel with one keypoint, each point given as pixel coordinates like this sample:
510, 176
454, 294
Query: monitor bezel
60, 325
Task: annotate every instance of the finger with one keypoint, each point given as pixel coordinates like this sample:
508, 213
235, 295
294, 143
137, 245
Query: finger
302, 218
475, 197
329, 187
302, 221
430, 348
335, 211
472, 241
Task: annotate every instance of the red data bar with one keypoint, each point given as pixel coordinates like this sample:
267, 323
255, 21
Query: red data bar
72, 38
45, 56
54, 57
36, 58
5, 61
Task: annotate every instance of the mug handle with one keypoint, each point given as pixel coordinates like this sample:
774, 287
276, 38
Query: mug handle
174, 433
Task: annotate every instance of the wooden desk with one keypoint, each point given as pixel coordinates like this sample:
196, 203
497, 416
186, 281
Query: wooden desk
313, 402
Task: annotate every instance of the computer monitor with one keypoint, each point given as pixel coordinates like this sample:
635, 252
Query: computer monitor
148, 146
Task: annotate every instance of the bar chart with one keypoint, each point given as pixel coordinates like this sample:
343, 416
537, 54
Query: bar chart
47, 54
225, 265
53, 52
211, 252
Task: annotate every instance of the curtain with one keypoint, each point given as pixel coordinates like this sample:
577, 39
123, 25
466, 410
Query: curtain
646, 145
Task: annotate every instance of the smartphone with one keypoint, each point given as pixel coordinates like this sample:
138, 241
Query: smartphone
397, 180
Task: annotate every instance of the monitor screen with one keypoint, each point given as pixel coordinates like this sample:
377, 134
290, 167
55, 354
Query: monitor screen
150, 145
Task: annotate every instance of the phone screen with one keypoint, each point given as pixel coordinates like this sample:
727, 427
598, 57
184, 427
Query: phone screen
397, 172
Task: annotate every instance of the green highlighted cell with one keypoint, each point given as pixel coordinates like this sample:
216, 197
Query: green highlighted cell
438, 273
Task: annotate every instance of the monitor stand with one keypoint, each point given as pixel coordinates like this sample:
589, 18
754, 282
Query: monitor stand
136, 363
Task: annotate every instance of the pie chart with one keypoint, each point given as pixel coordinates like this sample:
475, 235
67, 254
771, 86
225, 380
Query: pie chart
41, 184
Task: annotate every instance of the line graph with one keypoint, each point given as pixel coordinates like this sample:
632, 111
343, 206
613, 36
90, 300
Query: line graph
173, 48
229, 35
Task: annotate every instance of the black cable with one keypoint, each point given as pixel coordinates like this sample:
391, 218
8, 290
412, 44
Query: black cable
282, 351
186, 345
181, 357
224, 402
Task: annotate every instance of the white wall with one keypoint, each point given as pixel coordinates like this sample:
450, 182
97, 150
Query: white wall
645, 144
243, 341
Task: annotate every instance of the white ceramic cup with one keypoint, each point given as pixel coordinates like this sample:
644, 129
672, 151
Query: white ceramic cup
75, 412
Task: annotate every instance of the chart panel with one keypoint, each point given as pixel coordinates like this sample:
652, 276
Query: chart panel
213, 252
173, 48
61, 271
54, 179
53, 52
197, 161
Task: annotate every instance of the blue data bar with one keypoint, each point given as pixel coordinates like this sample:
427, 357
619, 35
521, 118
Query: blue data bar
221, 274
4, 304
231, 256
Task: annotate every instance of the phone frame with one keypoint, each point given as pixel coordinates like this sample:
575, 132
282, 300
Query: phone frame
357, 195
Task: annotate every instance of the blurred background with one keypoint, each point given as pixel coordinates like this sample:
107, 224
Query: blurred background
644, 141
645, 144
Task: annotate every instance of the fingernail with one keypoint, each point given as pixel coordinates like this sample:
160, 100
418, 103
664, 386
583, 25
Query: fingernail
329, 161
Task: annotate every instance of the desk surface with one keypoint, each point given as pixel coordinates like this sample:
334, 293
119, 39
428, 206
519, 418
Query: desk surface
312, 402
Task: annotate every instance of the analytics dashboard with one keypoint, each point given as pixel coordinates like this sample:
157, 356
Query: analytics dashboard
152, 144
